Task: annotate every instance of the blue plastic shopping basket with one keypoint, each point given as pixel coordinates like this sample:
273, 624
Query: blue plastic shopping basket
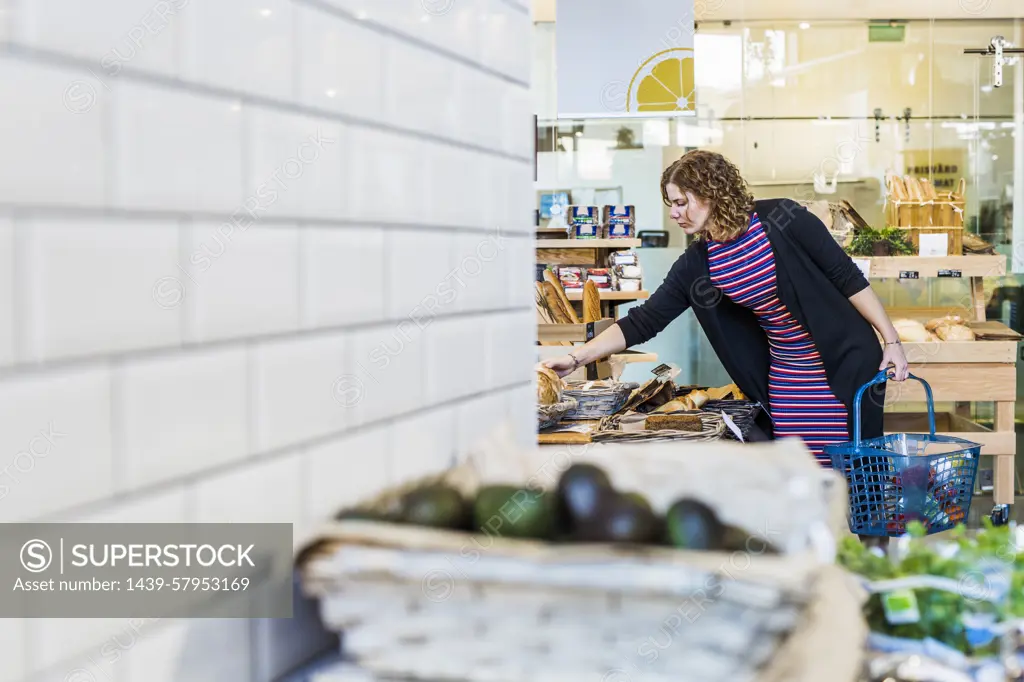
904, 477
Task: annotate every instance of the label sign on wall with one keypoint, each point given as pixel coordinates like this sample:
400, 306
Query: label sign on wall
615, 58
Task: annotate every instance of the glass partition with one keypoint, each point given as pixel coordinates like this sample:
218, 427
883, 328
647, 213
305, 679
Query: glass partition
813, 111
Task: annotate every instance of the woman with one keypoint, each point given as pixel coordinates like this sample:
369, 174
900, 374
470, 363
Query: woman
786, 310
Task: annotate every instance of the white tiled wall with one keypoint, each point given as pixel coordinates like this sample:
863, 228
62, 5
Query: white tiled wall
258, 260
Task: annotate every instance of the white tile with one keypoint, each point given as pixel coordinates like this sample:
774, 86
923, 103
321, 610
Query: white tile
521, 197
517, 129
482, 107
13, 663
343, 275
453, 25
7, 19
521, 408
423, 90
258, 492
52, 141
347, 471
181, 414
422, 283
511, 343
342, 64
55, 447
176, 150
197, 650
477, 420
520, 270
243, 45
455, 361
138, 34
387, 373
379, 163
506, 40
453, 186
7, 292
422, 445
164, 506
243, 280
294, 389
102, 285
480, 266
296, 166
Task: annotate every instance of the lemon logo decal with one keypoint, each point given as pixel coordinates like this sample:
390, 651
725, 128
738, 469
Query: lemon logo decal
663, 83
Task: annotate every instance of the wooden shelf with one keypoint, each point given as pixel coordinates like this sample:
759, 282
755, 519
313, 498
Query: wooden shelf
960, 352
611, 295
929, 267
614, 244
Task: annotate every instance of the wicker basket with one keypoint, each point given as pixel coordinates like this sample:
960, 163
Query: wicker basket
425, 604
549, 415
595, 403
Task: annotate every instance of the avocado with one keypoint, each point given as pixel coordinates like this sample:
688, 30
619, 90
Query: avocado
738, 540
690, 524
581, 492
436, 506
623, 518
508, 511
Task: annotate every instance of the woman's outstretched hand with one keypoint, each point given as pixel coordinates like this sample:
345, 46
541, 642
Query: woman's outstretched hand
893, 356
562, 366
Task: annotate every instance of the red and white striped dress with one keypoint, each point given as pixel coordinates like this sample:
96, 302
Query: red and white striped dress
801, 402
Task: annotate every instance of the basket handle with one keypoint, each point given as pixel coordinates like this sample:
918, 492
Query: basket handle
881, 378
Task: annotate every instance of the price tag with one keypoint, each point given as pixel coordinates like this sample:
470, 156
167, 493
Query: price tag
901, 607
864, 265
909, 274
950, 273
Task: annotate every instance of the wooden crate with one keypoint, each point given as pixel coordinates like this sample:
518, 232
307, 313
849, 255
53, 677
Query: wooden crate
931, 213
954, 238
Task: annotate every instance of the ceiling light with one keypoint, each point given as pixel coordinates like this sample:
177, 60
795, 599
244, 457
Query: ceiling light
265, 12
804, 25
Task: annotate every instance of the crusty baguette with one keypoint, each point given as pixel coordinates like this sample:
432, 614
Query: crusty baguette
928, 190
897, 189
591, 302
913, 188
563, 300
554, 304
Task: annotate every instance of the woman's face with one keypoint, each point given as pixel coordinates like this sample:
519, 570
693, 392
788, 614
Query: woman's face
689, 212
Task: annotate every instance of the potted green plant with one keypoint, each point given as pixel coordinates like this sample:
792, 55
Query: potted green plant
889, 241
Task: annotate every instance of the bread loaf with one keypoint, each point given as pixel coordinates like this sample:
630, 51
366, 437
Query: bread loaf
954, 332
563, 300
591, 302
944, 322
911, 331
549, 386
675, 422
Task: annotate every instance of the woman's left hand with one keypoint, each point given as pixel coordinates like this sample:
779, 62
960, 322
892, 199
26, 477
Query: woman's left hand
893, 356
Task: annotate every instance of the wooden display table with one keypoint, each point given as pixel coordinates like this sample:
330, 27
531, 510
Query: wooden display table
960, 372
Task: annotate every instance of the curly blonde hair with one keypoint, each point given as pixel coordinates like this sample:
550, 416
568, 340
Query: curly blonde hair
713, 178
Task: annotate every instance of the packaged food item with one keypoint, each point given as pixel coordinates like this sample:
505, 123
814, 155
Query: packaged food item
629, 285
600, 277
571, 277
585, 222
619, 222
628, 271
623, 258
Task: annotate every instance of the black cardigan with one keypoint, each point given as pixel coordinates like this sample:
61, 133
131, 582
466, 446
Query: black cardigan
815, 280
